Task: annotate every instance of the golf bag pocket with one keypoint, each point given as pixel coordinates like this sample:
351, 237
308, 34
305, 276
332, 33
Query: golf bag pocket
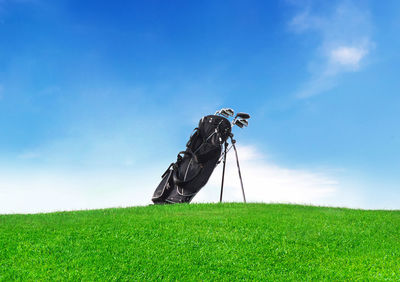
179, 195
187, 169
166, 184
208, 151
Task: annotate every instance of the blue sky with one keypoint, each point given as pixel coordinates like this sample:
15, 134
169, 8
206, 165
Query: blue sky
97, 97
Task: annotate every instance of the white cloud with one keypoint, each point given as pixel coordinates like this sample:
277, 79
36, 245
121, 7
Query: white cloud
348, 56
27, 190
344, 43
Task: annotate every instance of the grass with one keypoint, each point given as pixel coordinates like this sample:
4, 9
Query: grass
202, 242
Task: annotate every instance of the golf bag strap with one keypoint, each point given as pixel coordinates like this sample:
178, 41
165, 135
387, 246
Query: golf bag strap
175, 174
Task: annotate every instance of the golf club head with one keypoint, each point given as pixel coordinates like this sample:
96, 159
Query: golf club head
226, 112
243, 115
229, 111
239, 123
244, 122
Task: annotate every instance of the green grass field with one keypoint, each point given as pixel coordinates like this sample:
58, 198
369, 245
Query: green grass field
202, 242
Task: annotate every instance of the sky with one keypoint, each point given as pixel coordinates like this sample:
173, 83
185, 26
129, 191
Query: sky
98, 97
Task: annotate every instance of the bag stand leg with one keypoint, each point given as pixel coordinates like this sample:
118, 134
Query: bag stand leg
239, 172
223, 173
238, 166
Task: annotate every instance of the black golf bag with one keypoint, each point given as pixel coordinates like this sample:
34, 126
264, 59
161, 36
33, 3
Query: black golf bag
194, 166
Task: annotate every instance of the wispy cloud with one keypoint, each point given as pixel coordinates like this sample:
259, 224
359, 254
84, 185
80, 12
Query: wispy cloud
29, 155
348, 56
344, 43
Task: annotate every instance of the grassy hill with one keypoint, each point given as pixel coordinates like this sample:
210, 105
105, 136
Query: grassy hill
202, 242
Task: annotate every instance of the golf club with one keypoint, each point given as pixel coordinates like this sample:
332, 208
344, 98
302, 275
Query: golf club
226, 112
241, 123
244, 122
242, 115
238, 123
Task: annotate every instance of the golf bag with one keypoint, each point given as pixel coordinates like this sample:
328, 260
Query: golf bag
183, 179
